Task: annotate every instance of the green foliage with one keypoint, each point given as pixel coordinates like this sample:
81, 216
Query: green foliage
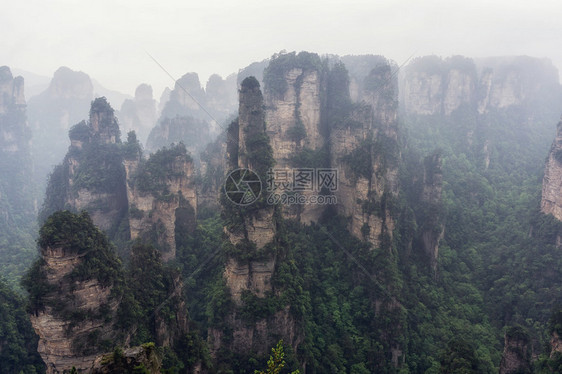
17, 337
100, 105
250, 83
338, 100
325, 285
309, 158
107, 124
257, 308
192, 349
201, 258
281, 64
518, 333
154, 291
297, 132
18, 190
118, 362
147, 279
259, 153
80, 131
132, 149
549, 364
359, 160
276, 361
57, 192
555, 321
74, 234
165, 164
100, 168
35, 283
460, 358
496, 262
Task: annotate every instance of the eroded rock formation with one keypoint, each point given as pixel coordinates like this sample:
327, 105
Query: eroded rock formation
251, 232
91, 176
53, 112
516, 356
432, 227
161, 197
431, 85
139, 114
15, 152
76, 295
551, 201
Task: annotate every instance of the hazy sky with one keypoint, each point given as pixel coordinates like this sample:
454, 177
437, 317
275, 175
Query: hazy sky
108, 39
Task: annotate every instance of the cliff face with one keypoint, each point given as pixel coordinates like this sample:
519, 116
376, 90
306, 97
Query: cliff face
258, 227
516, 352
129, 360
310, 122
14, 131
293, 125
52, 113
78, 300
161, 197
194, 133
15, 137
433, 86
555, 344
213, 168
139, 114
363, 148
193, 115
151, 198
551, 200
432, 228
18, 202
430, 85
11, 90
251, 232
94, 176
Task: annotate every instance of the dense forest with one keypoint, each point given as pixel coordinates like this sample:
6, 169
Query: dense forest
436, 259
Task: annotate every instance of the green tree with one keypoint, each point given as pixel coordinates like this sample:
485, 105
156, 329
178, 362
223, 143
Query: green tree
276, 361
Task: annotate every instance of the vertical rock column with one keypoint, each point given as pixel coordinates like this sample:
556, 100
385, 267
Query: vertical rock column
551, 201
250, 230
293, 122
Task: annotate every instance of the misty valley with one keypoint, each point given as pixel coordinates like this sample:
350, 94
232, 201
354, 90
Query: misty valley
307, 214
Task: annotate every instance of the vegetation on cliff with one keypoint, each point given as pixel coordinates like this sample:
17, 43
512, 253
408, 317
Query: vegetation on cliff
280, 64
353, 307
17, 338
74, 235
18, 193
165, 164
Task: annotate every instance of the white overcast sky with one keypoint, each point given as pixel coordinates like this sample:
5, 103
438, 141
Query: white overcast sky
108, 39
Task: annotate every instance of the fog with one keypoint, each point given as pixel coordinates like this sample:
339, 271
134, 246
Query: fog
109, 39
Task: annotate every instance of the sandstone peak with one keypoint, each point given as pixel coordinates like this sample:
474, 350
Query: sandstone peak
250, 83
189, 81
5, 74
67, 83
551, 200
103, 122
143, 92
11, 90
